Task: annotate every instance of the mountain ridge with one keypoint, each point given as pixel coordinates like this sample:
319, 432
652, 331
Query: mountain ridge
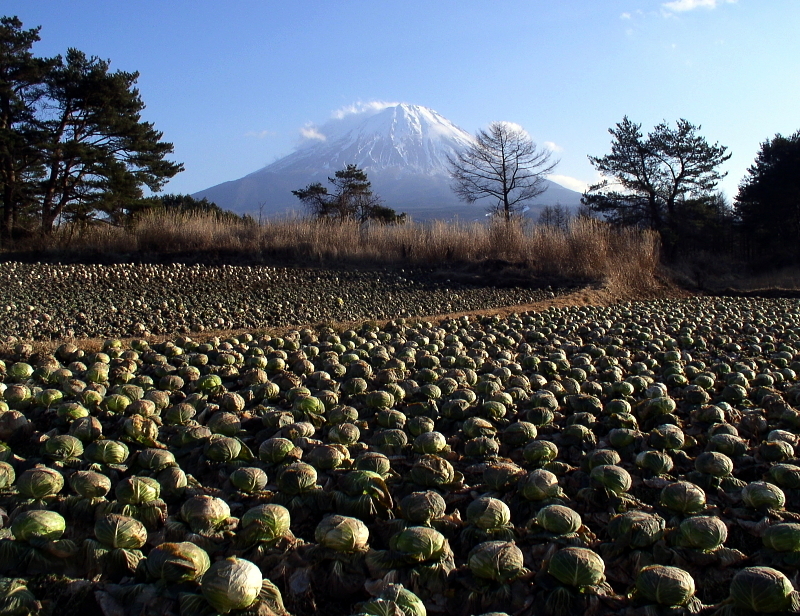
403, 148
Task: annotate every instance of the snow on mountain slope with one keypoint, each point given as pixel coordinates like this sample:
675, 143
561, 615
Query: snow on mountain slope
410, 138
403, 148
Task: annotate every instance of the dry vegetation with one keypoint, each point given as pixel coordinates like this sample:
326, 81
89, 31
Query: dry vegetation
587, 250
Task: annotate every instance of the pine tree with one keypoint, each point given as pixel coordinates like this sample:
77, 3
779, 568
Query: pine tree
352, 199
96, 142
72, 141
21, 77
655, 178
768, 202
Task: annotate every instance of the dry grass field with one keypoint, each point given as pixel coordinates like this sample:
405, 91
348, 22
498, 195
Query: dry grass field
587, 250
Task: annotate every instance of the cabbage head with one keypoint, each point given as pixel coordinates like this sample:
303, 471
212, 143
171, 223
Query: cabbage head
703, 532
177, 562
40, 482
666, 437
657, 462
419, 543
683, 497
500, 561
137, 490
421, 507
395, 600
785, 475
265, 522
297, 478
275, 450
431, 471
782, 537
488, 513
38, 524
637, 529
89, 484
232, 584
558, 519
342, 533
761, 589
540, 452
248, 479
763, 495
119, 531
7, 475
714, 463
574, 566
205, 513
670, 586
539, 484
613, 478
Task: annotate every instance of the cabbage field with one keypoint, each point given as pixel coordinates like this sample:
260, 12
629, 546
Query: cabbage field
639, 459
44, 301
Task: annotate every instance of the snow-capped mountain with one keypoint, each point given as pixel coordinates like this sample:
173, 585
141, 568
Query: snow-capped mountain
403, 149
408, 138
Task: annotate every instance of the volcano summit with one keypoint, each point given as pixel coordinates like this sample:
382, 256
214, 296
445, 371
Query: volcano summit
403, 149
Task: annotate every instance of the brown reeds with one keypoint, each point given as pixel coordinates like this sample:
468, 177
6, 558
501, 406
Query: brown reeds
587, 249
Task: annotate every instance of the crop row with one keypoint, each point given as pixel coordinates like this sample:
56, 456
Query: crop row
635, 459
52, 301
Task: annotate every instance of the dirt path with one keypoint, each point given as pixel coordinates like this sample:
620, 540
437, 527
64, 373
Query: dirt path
591, 295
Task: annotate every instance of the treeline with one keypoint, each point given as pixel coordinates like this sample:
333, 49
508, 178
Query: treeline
666, 181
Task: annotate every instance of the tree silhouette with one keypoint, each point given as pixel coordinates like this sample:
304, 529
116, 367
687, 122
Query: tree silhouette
503, 164
351, 199
768, 202
655, 177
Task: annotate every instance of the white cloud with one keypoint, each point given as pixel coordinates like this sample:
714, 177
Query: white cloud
569, 182
681, 6
360, 107
625, 16
553, 147
513, 127
309, 131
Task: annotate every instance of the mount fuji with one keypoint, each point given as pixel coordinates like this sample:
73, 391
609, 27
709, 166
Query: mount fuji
403, 149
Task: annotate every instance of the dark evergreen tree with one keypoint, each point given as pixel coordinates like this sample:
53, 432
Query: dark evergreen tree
351, 199
21, 78
72, 141
96, 142
654, 179
186, 204
768, 203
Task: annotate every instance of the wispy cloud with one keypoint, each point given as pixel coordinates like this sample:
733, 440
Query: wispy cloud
681, 6
260, 134
513, 126
309, 131
360, 107
625, 16
569, 182
553, 147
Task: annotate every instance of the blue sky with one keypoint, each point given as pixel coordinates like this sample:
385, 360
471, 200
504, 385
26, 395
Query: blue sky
232, 84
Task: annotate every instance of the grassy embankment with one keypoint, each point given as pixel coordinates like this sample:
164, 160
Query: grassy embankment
624, 260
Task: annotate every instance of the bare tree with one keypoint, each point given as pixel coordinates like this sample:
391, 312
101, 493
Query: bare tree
503, 163
557, 216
